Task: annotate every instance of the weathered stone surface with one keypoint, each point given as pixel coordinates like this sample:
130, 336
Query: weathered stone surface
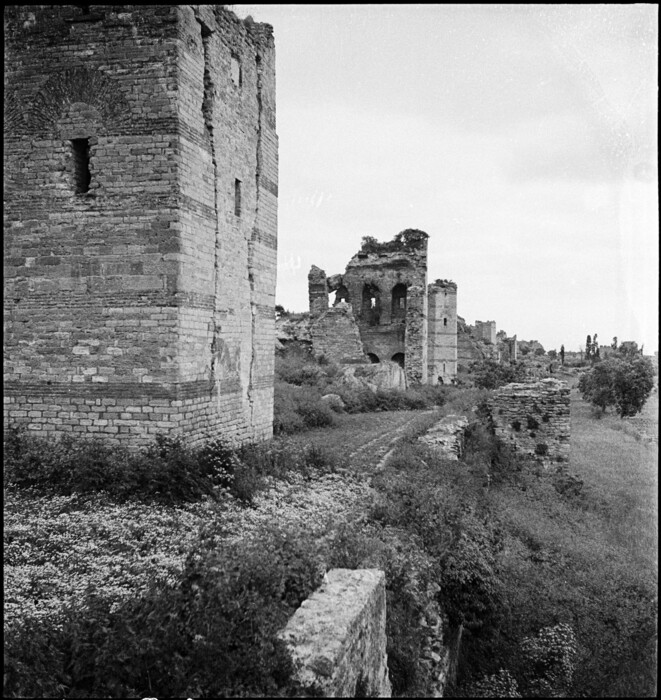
294, 327
141, 169
334, 401
335, 335
337, 638
383, 375
447, 436
534, 418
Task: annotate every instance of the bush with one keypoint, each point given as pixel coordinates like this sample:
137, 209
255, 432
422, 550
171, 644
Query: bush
166, 472
497, 685
212, 634
623, 382
299, 408
548, 662
489, 374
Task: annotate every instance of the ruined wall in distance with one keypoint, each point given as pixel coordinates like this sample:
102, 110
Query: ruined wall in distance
386, 285
534, 418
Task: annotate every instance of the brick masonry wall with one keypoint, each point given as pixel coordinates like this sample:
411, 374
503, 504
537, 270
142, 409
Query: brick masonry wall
150, 287
534, 418
442, 334
338, 636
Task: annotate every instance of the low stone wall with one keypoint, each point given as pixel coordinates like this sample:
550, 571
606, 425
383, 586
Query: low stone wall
534, 418
447, 436
337, 638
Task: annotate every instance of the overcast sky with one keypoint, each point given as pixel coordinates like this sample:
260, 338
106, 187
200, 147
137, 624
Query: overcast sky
522, 139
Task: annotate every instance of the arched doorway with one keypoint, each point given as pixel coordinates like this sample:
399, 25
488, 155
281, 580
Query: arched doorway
374, 359
399, 358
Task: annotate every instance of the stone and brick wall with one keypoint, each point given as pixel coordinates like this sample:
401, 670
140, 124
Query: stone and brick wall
335, 335
442, 335
534, 418
386, 286
140, 221
338, 636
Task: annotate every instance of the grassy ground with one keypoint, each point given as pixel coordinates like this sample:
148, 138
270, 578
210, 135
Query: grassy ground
588, 556
585, 556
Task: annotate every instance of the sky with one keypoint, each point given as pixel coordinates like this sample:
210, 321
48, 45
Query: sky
521, 138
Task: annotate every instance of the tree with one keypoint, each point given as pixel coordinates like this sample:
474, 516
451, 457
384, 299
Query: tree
588, 346
562, 354
624, 382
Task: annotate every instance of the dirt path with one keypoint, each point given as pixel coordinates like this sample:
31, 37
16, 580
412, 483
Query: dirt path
373, 454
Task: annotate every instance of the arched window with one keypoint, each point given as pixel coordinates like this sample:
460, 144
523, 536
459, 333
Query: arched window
374, 359
371, 309
398, 302
398, 357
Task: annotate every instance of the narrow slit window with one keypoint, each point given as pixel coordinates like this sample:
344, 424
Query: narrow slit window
237, 197
235, 70
80, 151
445, 322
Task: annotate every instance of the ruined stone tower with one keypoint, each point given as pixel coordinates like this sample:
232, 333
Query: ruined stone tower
140, 221
442, 355
384, 311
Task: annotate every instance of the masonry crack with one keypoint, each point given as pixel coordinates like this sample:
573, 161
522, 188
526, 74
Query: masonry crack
207, 114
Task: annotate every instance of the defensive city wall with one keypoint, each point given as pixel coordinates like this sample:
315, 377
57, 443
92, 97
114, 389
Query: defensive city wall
141, 170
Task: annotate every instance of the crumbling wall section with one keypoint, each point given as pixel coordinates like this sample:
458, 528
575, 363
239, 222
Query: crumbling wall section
335, 335
140, 221
534, 418
317, 291
337, 638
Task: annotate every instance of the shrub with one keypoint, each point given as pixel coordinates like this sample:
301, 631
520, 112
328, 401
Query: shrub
489, 374
497, 685
541, 448
298, 408
621, 381
214, 633
531, 423
166, 472
548, 662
